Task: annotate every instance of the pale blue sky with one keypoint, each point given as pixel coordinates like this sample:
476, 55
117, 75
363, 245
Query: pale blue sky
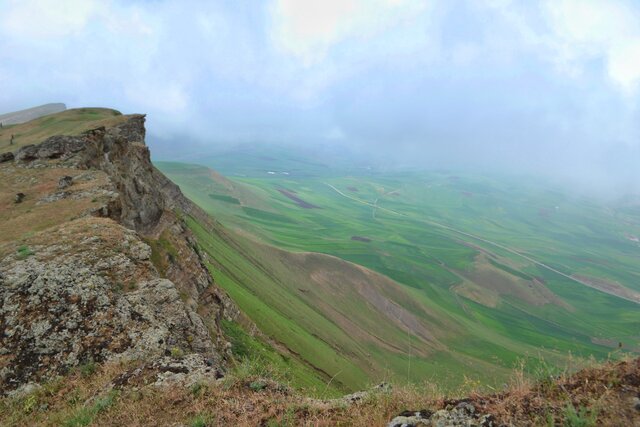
545, 86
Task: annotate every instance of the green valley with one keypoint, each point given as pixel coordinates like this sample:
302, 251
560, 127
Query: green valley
418, 276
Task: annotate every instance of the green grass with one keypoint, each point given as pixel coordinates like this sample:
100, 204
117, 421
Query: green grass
225, 198
397, 211
84, 415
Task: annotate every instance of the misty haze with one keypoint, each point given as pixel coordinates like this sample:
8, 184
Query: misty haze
304, 212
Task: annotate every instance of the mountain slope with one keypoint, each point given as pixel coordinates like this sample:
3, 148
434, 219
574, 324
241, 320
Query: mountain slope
486, 307
353, 324
22, 116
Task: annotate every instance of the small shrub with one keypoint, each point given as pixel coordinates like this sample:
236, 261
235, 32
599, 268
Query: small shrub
105, 402
257, 385
87, 369
73, 397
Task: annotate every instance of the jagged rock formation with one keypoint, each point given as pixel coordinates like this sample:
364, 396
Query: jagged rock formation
122, 279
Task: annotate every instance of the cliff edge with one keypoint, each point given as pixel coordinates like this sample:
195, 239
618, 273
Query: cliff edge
96, 262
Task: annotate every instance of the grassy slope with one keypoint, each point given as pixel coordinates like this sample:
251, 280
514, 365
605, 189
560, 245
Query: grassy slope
69, 122
553, 318
265, 283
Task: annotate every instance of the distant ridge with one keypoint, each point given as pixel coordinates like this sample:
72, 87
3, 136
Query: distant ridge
22, 116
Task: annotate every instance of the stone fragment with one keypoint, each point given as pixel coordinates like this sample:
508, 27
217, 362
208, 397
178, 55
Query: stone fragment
65, 182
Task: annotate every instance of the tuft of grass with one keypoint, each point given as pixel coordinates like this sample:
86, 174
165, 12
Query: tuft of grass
163, 253
201, 420
30, 403
257, 385
581, 417
24, 252
85, 415
197, 389
87, 369
251, 369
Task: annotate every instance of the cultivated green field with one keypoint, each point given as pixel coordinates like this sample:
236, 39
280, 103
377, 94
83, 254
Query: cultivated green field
474, 272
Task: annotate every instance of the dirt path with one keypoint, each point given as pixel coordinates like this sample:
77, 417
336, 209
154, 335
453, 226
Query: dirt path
487, 241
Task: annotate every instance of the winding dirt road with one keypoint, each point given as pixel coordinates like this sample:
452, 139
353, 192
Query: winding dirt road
489, 242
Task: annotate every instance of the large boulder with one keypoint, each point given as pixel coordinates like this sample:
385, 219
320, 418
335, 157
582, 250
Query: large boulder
6, 157
88, 293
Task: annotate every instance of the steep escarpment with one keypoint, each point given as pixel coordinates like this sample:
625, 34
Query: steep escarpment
96, 261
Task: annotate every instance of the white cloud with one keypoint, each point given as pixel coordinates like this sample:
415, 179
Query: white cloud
309, 28
37, 19
168, 98
624, 65
582, 30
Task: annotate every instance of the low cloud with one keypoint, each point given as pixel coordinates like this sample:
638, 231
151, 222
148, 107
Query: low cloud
551, 87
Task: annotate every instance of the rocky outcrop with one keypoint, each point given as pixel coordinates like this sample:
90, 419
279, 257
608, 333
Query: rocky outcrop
176, 370
123, 280
463, 415
88, 293
146, 201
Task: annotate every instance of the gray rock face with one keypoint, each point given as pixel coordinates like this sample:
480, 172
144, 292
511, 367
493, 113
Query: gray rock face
6, 157
462, 415
27, 153
145, 192
54, 147
59, 310
183, 371
120, 151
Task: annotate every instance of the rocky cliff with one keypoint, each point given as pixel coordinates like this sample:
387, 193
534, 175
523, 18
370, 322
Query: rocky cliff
96, 262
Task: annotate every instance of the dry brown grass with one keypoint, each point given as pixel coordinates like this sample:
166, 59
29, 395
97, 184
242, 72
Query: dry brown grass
19, 220
69, 122
231, 401
599, 395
